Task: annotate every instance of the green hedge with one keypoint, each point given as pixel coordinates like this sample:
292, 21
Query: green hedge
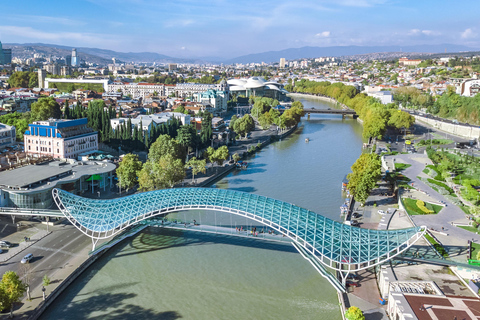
441, 184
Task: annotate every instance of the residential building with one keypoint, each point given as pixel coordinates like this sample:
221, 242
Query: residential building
282, 63
148, 122
469, 88
53, 69
103, 82
215, 101
63, 139
136, 90
407, 62
7, 135
42, 75
172, 66
5, 55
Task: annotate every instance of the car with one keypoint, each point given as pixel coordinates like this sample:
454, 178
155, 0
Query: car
4, 243
27, 258
381, 212
352, 284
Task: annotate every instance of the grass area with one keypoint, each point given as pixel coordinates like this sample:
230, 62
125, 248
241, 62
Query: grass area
475, 250
437, 246
64, 87
430, 142
469, 228
401, 166
434, 168
413, 210
441, 184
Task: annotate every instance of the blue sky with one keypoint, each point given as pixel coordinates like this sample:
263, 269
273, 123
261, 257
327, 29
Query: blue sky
230, 28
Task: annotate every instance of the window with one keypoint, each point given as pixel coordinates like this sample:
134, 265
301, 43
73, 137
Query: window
58, 151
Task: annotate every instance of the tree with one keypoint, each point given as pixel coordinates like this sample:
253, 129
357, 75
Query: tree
180, 109
354, 313
365, 173
400, 119
45, 283
165, 145
210, 155
127, 171
197, 166
46, 108
221, 154
206, 130
164, 173
232, 122
235, 157
12, 290
244, 125
187, 136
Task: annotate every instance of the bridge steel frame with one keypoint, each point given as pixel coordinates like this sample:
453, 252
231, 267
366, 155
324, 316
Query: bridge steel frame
337, 246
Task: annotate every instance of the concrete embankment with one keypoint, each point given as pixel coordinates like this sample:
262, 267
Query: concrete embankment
469, 132
322, 98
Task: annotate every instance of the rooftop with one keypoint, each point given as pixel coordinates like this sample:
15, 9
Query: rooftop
47, 175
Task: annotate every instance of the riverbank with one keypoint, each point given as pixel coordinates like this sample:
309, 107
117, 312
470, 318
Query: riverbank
321, 98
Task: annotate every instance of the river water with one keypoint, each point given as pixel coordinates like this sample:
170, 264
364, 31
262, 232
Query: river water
170, 274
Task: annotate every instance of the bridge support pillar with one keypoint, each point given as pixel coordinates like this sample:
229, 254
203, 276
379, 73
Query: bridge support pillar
308, 117
343, 115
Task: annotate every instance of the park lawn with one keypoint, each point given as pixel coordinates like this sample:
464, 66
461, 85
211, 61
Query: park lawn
401, 166
434, 142
413, 210
440, 184
469, 228
475, 250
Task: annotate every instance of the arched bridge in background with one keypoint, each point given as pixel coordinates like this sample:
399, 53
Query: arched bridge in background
334, 244
343, 112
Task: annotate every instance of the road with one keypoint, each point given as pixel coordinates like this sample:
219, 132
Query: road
52, 253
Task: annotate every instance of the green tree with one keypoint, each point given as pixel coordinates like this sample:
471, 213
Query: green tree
11, 290
400, 119
46, 108
164, 173
197, 166
365, 173
244, 125
187, 137
165, 145
206, 132
354, 313
236, 157
221, 154
127, 171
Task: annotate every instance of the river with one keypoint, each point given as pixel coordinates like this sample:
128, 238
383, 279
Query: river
170, 274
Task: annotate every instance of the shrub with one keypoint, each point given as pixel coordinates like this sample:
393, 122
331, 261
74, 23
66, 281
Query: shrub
421, 205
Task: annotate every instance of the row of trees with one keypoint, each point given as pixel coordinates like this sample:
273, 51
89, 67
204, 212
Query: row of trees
376, 116
263, 110
23, 79
165, 166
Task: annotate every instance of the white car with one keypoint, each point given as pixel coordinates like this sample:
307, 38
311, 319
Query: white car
27, 258
381, 212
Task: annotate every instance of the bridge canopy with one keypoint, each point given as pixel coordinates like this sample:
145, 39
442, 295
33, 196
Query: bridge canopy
332, 242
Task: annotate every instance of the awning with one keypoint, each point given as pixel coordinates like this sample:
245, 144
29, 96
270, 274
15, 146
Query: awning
95, 177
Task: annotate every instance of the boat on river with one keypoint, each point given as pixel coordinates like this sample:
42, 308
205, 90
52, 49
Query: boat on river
307, 139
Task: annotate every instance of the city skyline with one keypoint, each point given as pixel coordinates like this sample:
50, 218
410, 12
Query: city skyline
217, 28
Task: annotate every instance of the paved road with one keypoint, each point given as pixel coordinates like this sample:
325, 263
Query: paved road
51, 254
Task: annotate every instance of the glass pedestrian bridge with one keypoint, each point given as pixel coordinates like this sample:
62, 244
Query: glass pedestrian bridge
334, 244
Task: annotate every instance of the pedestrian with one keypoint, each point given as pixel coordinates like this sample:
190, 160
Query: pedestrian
194, 222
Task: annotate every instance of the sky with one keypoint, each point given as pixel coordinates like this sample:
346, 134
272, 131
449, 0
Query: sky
231, 28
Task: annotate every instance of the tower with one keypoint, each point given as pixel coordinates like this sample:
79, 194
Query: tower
74, 57
42, 74
282, 63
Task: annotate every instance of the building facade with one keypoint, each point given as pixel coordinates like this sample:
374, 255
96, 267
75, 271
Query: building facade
5, 55
74, 58
214, 101
136, 90
61, 139
42, 75
7, 135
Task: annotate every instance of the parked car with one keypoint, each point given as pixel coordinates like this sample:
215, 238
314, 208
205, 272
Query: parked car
4, 243
27, 258
381, 212
353, 284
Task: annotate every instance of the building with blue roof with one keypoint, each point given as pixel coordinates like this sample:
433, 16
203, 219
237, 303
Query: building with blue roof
60, 139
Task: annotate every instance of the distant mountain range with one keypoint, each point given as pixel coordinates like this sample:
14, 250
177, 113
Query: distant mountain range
100, 56
315, 52
103, 56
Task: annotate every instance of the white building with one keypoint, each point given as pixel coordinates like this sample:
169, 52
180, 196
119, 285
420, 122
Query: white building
7, 135
469, 88
214, 101
148, 122
136, 90
64, 139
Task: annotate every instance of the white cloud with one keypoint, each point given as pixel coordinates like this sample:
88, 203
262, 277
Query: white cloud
468, 34
424, 32
324, 34
78, 38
